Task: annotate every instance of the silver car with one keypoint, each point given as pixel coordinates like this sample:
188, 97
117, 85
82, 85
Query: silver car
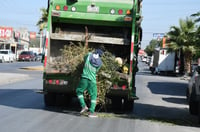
193, 93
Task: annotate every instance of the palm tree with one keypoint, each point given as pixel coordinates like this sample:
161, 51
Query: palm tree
183, 38
42, 23
198, 35
197, 16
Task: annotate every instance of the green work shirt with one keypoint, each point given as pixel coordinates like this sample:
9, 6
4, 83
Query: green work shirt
89, 71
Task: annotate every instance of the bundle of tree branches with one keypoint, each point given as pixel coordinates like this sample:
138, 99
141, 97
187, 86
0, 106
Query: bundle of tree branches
106, 77
72, 57
72, 61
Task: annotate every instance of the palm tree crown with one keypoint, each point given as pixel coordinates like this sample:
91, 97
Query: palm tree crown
183, 38
42, 23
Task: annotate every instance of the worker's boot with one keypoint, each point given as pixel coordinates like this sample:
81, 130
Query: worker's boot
83, 110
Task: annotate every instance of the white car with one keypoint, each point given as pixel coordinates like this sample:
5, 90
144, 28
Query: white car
7, 56
144, 59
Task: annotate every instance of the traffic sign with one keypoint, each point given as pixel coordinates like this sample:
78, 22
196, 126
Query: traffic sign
158, 35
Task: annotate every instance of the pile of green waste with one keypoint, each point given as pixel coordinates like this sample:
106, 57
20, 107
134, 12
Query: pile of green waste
72, 62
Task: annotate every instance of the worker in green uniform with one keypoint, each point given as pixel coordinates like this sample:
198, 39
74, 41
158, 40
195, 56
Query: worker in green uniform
92, 63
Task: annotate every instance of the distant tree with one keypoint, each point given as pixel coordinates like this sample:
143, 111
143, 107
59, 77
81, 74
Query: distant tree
152, 45
42, 23
35, 42
183, 38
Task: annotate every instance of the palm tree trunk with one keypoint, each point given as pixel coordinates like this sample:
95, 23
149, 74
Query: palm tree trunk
187, 63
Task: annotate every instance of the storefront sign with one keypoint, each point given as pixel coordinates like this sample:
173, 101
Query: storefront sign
6, 32
32, 35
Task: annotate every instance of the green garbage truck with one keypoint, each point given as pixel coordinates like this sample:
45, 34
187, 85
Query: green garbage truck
115, 24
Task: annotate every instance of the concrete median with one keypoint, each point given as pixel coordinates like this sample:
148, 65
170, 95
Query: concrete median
35, 68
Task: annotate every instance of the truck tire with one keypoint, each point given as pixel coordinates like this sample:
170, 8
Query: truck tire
128, 105
116, 103
50, 99
63, 100
193, 107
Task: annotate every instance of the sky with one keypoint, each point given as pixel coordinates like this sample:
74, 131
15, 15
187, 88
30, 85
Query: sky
21, 13
158, 15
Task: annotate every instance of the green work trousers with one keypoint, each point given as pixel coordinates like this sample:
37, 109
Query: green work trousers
91, 87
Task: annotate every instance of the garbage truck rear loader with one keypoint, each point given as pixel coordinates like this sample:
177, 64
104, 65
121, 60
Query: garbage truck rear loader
115, 24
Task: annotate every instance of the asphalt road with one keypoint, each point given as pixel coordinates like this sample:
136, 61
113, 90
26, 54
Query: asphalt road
162, 106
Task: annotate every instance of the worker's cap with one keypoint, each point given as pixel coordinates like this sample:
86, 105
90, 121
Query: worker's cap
99, 51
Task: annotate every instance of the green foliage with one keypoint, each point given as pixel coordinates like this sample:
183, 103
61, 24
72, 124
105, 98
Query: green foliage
196, 16
35, 42
196, 55
197, 37
71, 62
150, 48
183, 37
72, 57
42, 22
106, 76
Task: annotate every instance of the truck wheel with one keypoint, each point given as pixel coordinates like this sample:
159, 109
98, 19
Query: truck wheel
63, 100
128, 105
116, 103
49, 99
193, 107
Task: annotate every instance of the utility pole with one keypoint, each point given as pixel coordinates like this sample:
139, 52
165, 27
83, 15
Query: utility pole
41, 40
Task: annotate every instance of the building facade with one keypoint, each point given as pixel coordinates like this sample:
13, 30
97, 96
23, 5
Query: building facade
16, 40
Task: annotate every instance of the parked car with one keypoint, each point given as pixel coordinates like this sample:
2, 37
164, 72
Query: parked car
144, 58
7, 56
193, 93
39, 57
27, 56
